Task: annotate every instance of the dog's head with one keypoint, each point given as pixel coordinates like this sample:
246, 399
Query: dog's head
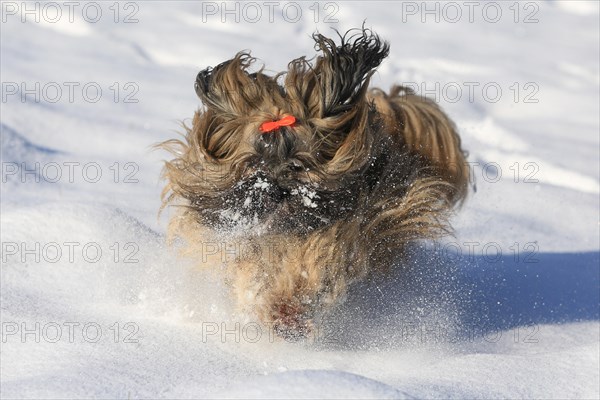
286, 152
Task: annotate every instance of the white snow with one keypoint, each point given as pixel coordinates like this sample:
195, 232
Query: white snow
261, 184
94, 304
307, 195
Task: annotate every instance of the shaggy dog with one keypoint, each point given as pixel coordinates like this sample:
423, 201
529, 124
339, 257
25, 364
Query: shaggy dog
307, 181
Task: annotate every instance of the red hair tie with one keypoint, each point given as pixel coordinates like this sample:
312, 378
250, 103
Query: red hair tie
270, 126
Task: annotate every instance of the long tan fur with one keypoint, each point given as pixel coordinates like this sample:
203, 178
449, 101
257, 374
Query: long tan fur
300, 214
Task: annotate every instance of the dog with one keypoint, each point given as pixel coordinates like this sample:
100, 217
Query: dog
316, 180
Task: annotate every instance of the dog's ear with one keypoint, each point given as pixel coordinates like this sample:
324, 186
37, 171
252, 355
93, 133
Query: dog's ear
229, 89
344, 70
340, 75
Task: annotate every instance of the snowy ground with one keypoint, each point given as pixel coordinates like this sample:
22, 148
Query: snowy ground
94, 305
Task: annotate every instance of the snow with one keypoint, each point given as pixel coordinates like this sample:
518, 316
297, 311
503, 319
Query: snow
94, 304
307, 196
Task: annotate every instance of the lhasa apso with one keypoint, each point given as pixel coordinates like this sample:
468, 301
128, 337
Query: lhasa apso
307, 181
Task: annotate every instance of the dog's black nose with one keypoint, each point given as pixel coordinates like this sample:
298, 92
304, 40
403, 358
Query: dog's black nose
285, 174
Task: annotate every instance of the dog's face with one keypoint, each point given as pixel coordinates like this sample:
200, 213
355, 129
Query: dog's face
286, 153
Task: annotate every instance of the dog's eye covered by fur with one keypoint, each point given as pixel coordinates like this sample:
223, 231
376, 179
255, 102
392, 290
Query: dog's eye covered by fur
311, 157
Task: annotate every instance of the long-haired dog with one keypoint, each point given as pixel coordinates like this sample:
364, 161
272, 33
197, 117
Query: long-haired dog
307, 181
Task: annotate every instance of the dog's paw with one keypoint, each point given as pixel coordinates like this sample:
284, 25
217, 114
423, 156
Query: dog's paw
291, 322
